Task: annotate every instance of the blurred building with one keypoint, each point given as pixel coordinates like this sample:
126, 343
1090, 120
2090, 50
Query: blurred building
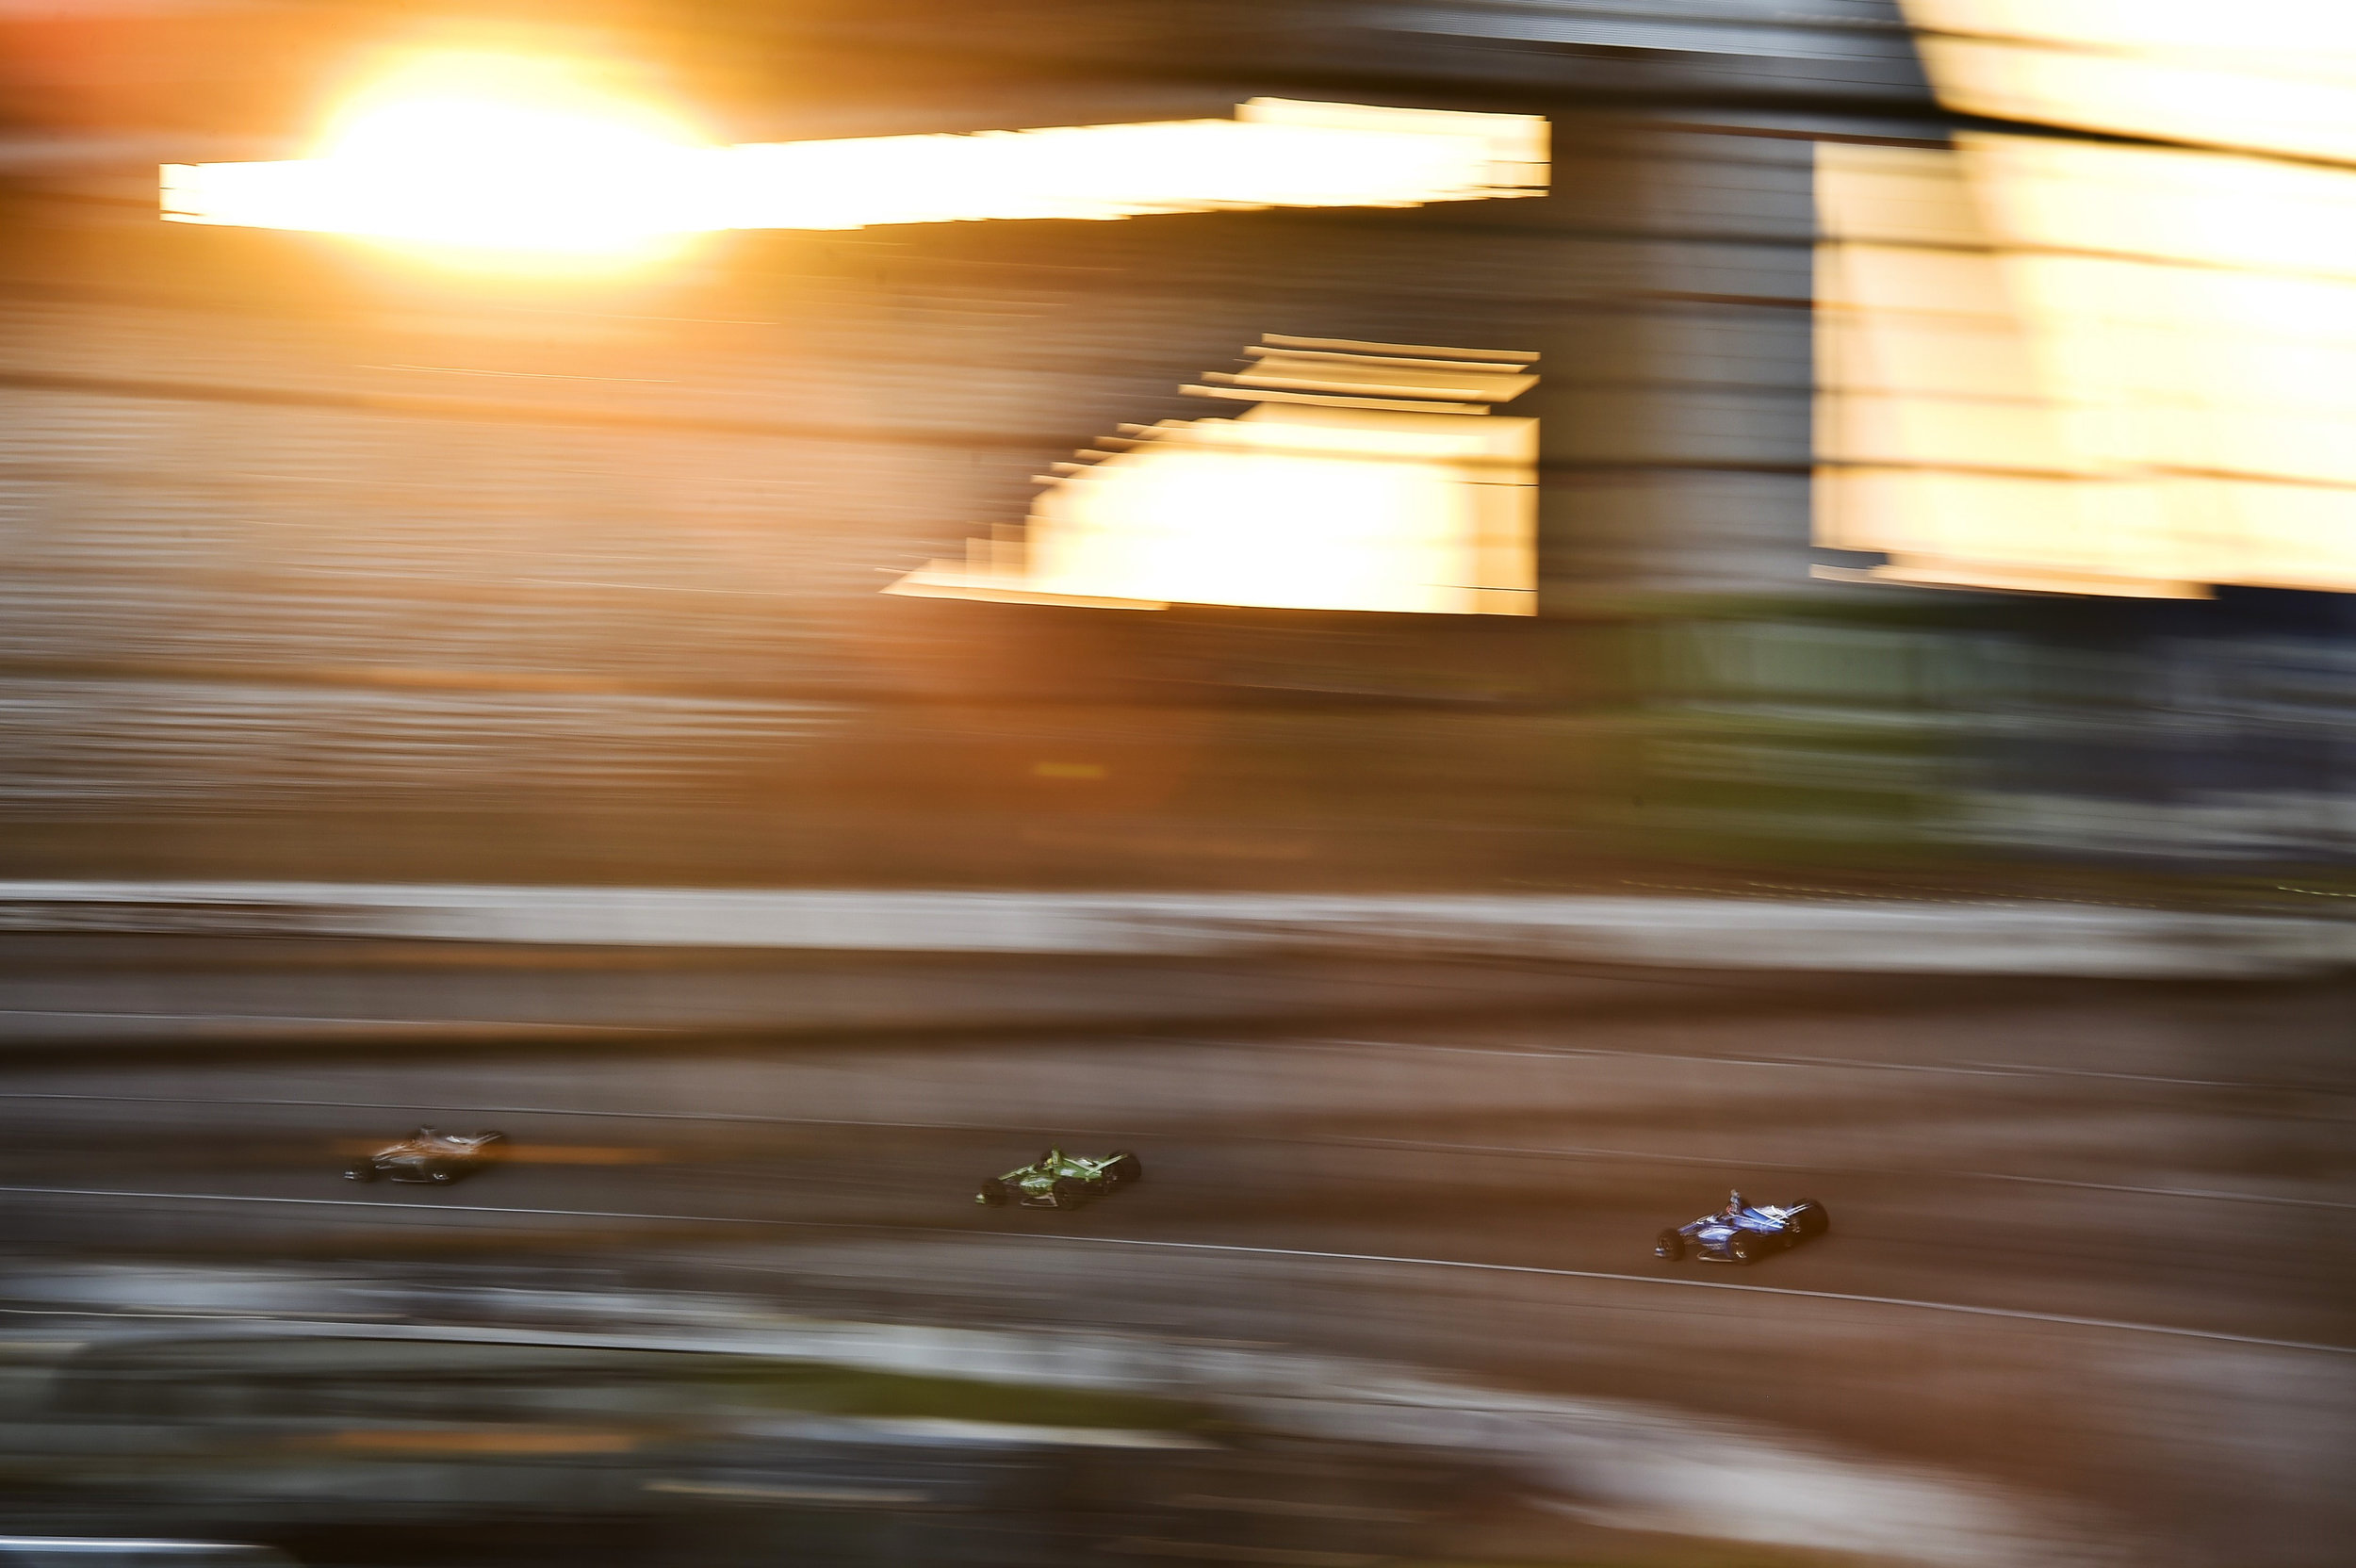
325, 564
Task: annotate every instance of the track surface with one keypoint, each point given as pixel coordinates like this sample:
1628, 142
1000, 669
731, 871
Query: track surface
2022, 1194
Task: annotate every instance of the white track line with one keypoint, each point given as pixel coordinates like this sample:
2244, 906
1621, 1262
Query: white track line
363, 1023
1863, 1063
1337, 1141
2160, 1192
2012, 1313
2153, 1078
1572, 1052
431, 1208
510, 1110
1635, 1156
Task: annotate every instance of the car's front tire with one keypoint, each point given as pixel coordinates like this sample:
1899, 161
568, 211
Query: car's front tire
1070, 1194
1668, 1246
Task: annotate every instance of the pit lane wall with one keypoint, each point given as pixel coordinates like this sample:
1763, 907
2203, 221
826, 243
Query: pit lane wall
1878, 937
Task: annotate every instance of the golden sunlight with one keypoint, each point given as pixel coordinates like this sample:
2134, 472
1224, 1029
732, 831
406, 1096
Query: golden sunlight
509, 156
1332, 493
2073, 365
481, 152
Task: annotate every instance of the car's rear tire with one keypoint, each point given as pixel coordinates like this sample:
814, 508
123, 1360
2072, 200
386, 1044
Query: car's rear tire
1743, 1246
994, 1193
361, 1170
1125, 1168
1668, 1246
1810, 1218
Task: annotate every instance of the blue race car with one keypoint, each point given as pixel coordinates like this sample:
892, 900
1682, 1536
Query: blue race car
1744, 1233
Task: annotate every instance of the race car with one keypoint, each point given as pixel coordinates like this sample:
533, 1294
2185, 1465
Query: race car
1059, 1181
429, 1156
1744, 1231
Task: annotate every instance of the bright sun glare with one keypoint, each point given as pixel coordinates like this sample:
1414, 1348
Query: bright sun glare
487, 156
500, 153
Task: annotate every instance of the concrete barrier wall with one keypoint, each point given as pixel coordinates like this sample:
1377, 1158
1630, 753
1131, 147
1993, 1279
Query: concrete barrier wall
1890, 937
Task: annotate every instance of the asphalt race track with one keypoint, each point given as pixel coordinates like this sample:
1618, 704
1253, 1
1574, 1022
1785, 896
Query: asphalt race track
2090, 1242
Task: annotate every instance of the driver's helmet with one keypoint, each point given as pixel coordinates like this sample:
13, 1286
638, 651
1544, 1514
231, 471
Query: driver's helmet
1052, 1157
1734, 1203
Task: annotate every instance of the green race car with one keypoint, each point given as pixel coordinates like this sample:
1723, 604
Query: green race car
1059, 1181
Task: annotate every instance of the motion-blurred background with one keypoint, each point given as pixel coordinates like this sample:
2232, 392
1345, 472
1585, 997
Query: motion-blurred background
460, 689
